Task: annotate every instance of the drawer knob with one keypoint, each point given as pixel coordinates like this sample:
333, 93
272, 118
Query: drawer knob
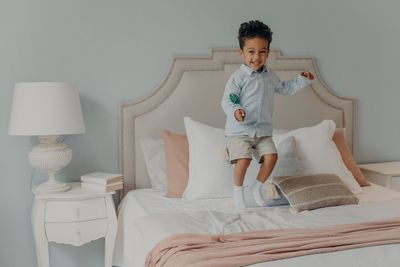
77, 213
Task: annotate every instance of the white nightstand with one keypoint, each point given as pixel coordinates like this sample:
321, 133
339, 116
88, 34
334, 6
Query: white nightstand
385, 173
74, 217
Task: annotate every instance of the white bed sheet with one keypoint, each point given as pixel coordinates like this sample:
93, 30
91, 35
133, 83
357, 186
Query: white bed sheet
146, 217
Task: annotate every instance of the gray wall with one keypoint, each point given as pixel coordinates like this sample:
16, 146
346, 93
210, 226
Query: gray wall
121, 50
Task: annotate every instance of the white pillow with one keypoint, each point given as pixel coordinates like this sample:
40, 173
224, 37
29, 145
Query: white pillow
154, 156
210, 173
319, 154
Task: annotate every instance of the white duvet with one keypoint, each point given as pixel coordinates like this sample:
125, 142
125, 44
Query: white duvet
146, 217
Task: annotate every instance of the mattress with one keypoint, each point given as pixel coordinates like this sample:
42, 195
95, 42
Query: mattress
145, 217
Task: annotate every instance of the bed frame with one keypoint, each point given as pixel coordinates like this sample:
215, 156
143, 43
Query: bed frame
194, 87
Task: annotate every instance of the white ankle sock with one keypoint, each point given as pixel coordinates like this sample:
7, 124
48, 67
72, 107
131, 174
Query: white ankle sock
257, 194
238, 197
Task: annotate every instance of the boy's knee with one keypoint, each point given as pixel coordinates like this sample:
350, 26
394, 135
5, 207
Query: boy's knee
271, 158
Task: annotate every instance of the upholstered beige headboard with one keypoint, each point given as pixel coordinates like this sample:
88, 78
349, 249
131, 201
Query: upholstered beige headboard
194, 87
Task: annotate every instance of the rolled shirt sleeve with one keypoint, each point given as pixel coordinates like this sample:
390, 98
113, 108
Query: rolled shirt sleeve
228, 106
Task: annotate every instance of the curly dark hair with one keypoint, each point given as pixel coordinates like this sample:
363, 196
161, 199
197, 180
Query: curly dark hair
252, 29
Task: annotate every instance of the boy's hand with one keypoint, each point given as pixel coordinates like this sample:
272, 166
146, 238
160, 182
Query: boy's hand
308, 75
239, 115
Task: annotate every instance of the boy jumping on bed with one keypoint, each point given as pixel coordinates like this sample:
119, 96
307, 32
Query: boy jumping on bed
248, 104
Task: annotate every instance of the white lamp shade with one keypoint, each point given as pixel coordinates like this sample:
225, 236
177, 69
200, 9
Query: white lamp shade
45, 108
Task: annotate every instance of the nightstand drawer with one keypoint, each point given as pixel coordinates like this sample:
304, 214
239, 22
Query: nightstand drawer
74, 211
77, 233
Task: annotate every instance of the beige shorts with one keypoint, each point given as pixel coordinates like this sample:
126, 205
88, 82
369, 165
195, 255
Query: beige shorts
242, 147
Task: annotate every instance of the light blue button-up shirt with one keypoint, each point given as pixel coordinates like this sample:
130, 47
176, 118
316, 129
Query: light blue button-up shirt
256, 93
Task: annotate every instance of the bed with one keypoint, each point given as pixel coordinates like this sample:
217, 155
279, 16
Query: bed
146, 216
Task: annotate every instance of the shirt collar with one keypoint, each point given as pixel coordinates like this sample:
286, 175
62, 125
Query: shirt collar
250, 71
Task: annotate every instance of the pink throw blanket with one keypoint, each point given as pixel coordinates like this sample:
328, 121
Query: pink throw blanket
267, 245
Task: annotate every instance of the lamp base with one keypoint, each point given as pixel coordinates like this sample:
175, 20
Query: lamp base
52, 186
50, 156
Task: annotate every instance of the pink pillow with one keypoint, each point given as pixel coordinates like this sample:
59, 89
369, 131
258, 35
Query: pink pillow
351, 164
177, 159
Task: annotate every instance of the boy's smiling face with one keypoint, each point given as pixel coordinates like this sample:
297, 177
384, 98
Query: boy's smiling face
255, 53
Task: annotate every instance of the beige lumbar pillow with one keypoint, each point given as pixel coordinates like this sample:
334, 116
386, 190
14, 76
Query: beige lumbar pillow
313, 191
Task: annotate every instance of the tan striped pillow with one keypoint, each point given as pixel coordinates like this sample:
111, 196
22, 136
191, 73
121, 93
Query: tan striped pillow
313, 191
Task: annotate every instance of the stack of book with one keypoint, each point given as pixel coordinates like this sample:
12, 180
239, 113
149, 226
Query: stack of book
102, 181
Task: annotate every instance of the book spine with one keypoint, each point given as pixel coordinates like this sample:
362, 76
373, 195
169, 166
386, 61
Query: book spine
97, 187
103, 188
100, 180
93, 180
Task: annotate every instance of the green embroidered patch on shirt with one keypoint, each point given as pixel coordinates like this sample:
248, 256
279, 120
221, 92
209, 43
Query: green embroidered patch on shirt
234, 99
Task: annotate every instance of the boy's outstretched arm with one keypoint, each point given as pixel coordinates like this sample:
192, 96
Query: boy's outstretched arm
290, 87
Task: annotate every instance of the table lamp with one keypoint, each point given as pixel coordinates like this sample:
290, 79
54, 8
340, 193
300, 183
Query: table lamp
47, 110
